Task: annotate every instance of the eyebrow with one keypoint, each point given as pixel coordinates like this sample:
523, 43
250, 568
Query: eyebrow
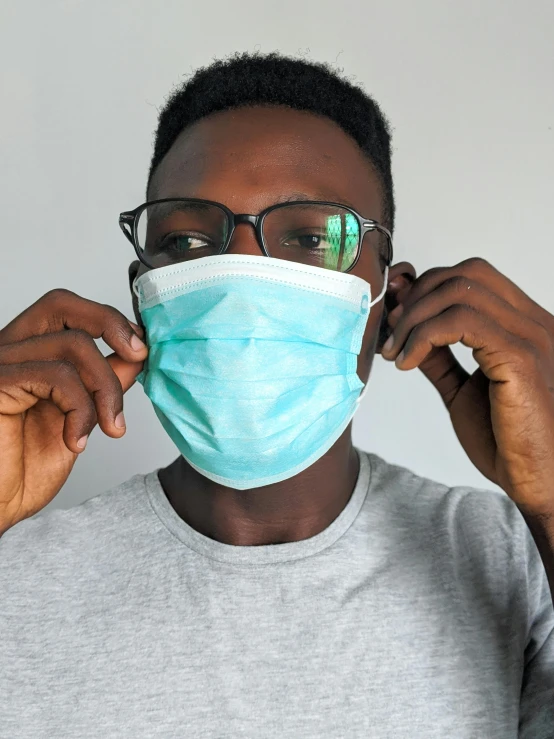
293, 197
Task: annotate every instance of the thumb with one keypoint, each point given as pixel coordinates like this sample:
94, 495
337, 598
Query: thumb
444, 371
126, 371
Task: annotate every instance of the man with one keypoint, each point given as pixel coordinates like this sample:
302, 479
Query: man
274, 581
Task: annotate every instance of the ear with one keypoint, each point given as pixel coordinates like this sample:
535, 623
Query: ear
401, 278
132, 273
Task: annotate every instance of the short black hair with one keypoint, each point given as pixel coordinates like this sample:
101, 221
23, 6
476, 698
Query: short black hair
251, 78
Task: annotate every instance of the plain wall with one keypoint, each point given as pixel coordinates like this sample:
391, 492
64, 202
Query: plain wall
468, 87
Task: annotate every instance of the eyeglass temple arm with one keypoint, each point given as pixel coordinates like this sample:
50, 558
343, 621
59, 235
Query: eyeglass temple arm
126, 221
373, 225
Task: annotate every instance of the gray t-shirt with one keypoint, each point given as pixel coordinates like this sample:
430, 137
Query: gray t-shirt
421, 612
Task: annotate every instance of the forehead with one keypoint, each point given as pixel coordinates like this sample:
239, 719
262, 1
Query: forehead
249, 158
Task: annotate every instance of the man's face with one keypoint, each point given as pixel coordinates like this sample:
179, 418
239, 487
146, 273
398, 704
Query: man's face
250, 158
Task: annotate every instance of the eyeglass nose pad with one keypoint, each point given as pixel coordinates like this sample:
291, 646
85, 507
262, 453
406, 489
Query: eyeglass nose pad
244, 239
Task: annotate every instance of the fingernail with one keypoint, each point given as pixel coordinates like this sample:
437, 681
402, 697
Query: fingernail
399, 358
136, 344
120, 421
82, 442
387, 346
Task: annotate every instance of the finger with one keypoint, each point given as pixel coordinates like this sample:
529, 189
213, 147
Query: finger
126, 372
462, 291
440, 366
479, 271
494, 348
137, 329
444, 371
23, 385
97, 376
62, 309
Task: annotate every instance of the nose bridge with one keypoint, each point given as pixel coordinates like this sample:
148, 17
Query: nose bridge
244, 239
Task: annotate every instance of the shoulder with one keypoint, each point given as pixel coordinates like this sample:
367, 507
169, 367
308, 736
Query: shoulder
64, 545
428, 502
471, 544
477, 533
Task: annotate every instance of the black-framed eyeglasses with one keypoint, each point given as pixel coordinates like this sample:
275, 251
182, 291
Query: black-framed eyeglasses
318, 233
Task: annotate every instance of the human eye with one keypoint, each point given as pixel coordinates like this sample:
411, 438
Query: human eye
178, 243
313, 239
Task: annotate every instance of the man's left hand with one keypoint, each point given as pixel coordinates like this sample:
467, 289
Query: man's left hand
503, 413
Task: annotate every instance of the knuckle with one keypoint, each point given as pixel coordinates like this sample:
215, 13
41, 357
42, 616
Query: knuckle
58, 296
114, 315
57, 304
117, 326
65, 370
475, 265
432, 272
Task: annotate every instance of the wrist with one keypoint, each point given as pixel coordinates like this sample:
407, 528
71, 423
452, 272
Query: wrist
541, 526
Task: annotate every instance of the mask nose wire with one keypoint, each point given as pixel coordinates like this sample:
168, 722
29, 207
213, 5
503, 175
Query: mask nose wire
136, 291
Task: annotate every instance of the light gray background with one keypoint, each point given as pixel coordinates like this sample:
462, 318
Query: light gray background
468, 87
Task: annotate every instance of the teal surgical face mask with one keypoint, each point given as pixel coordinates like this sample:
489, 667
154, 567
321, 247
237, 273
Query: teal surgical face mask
252, 362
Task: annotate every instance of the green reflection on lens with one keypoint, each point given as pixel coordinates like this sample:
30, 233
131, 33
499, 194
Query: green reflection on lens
342, 238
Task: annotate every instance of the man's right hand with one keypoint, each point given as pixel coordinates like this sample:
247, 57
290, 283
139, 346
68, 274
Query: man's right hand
55, 386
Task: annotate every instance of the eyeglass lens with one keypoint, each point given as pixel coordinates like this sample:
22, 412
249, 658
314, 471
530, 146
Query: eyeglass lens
318, 235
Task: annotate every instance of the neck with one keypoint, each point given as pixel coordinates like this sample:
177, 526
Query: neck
288, 511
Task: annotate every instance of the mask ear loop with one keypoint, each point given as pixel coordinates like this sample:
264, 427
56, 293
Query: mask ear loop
373, 302
384, 290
